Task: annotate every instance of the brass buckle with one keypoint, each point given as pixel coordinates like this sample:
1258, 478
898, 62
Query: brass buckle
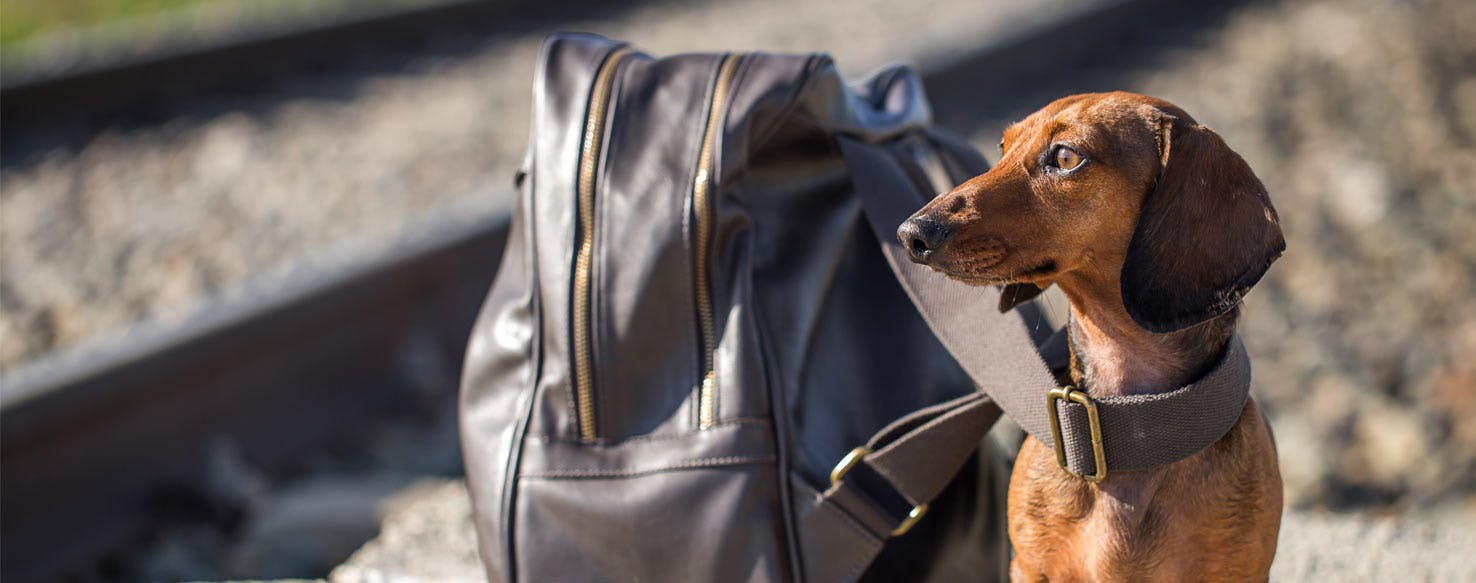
1093, 421
913, 516
850, 461
847, 463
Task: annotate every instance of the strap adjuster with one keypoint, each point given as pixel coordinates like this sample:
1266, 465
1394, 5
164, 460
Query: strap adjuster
1094, 422
850, 461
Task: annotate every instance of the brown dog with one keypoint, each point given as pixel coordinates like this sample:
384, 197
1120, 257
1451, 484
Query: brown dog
1153, 229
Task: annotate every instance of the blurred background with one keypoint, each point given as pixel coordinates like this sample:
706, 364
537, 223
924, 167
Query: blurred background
173, 170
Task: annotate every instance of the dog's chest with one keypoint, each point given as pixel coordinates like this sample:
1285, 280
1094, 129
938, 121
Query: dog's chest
1073, 531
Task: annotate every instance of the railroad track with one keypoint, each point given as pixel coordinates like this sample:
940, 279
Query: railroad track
91, 442
96, 449
146, 84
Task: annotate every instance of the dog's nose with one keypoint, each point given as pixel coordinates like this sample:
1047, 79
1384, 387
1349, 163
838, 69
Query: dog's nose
923, 236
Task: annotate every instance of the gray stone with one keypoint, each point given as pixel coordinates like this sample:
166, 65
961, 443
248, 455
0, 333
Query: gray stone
428, 536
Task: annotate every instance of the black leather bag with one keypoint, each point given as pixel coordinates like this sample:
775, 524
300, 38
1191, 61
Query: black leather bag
693, 326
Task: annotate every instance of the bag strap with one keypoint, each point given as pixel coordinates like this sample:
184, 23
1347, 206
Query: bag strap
920, 453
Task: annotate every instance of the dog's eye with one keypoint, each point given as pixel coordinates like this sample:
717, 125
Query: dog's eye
1066, 158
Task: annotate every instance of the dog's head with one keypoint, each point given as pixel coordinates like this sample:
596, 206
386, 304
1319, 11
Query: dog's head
1101, 180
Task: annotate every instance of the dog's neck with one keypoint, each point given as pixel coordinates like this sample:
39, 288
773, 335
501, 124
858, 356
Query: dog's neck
1112, 356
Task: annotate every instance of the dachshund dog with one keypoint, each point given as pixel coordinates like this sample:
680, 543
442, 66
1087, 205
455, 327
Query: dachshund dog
1153, 229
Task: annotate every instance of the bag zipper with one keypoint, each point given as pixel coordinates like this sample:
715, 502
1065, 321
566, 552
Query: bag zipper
589, 159
702, 212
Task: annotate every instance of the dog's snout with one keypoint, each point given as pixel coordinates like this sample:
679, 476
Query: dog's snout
923, 236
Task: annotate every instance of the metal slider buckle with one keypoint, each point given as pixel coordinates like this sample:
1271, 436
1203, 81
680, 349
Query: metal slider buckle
1094, 422
850, 461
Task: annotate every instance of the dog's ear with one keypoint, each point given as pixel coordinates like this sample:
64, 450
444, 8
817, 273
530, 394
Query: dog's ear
1017, 293
1207, 231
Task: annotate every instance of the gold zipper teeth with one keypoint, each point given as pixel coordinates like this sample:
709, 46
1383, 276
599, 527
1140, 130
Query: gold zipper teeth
702, 218
589, 158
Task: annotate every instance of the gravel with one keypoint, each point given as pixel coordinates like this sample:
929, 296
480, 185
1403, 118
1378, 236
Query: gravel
1318, 546
1360, 117
429, 537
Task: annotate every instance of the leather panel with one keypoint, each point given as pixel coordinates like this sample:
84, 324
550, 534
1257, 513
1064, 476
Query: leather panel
666, 526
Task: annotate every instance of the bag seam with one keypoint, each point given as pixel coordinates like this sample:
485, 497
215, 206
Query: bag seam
606, 441
508, 498
779, 428
687, 465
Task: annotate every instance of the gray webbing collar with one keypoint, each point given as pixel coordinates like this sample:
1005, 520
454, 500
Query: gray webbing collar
1134, 432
